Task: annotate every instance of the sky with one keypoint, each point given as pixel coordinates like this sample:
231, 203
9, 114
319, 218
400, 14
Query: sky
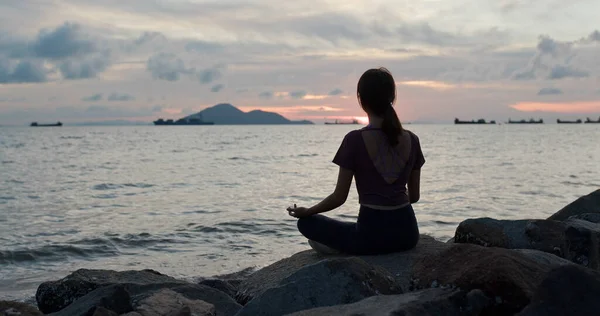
90, 60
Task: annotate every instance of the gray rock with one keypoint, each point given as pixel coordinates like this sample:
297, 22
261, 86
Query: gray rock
101, 311
221, 285
573, 239
431, 302
9, 308
223, 303
113, 298
586, 204
168, 302
398, 264
55, 295
588, 217
326, 283
567, 290
508, 275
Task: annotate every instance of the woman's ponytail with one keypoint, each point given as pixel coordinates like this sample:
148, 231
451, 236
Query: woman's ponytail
391, 126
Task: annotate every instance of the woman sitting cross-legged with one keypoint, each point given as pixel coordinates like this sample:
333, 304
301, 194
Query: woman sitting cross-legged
385, 160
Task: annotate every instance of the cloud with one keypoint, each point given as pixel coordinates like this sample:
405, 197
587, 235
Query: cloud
64, 41
217, 87
562, 107
93, 98
24, 71
158, 108
561, 72
267, 95
12, 100
166, 66
120, 97
209, 75
549, 91
336, 91
298, 94
87, 67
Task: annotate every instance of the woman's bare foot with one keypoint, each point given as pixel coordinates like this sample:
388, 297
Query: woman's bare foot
320, 248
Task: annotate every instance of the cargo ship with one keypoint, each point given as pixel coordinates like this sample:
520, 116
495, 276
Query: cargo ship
353, 122
479, 121
183, 121
558, 121
588, 121
531, 121
35, 124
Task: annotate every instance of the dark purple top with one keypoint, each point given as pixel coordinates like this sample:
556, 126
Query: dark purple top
372, 188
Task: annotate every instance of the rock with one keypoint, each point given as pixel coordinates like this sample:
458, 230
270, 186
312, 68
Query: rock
55, 295
169, 302
325, 283
9, 308
573, 239
113, 298
432, 302
586, 204
221, 285
398, 264
223, 303
101, 311
509, 276
567, 290
588, 217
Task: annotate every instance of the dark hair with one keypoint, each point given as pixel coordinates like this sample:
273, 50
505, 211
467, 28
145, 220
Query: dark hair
376, 92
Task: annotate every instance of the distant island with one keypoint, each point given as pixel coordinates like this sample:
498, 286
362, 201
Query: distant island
227, 114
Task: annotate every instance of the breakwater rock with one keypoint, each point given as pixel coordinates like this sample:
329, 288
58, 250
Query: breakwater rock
491, 267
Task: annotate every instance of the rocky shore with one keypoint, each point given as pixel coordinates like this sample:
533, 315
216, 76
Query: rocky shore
491, 267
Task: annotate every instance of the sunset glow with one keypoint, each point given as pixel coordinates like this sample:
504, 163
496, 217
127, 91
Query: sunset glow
572, 107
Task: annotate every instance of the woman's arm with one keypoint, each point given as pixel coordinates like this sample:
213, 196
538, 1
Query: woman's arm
339, 195
414, 186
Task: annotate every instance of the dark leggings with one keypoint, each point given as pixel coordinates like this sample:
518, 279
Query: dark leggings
375, 232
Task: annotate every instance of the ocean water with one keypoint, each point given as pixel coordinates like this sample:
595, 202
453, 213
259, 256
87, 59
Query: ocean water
202, 200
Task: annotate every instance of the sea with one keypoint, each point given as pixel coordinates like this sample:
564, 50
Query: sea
192, 201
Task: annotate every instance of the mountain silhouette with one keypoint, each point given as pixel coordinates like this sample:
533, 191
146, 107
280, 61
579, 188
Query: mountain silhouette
227, 114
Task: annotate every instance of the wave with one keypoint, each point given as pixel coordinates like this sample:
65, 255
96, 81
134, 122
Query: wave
90, 248
113, 186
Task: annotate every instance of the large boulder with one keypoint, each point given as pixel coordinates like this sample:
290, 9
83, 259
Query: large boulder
169, 302
573, 239
326, 283
509, 276
10, 308
398, 264
53, 296
430, 302
113, 298
223, 303
586, 204
567, 290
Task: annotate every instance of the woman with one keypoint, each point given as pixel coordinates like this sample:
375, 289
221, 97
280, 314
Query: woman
385, 161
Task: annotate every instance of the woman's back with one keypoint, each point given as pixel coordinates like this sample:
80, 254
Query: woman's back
381, 170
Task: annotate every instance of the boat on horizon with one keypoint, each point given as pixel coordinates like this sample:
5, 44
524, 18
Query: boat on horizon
578, 121
35, 124
479, 121
531, 121
183, 121
354, 122
589, 121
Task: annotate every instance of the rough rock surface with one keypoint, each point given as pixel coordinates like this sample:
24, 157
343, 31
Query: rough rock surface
586, 204
573, 239
113, 298
53, 296
101, 311
398, 264
433, 302
9, 308
588, 217
325, 283
509, 276
568, 290
221, 285
168, 302
223, 303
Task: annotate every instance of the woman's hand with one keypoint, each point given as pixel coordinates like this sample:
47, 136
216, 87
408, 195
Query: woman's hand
298, 212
